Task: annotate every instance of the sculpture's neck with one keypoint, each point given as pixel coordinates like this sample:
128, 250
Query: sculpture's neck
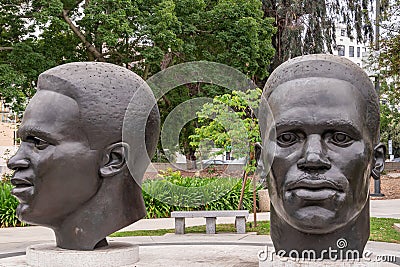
355, 233
117, 204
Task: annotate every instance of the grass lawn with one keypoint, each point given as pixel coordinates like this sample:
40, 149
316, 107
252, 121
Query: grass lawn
381, 230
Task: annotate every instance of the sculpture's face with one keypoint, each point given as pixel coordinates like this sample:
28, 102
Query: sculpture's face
56, 172
319, 178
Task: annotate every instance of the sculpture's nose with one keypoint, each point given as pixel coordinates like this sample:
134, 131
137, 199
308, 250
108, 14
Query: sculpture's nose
18, 161
313, 157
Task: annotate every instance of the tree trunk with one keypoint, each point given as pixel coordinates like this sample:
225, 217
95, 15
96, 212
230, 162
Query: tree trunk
240, 205
254, 201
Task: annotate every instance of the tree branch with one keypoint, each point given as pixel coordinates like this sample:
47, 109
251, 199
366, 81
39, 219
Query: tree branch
6, 48
78, 33
167, 59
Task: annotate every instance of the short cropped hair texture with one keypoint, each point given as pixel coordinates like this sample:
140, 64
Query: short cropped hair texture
103, 92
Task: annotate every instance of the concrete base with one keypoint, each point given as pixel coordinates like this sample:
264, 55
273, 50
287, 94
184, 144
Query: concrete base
223, 250
116, 254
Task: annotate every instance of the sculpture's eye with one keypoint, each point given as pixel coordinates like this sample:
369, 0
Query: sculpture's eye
39, 143
287, 139
341, 139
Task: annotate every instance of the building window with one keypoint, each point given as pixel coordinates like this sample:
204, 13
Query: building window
341, 49
358, 51
342, 32
351, 51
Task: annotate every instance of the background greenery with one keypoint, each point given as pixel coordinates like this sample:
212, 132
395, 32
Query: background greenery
253, 36
169, 198
8, 205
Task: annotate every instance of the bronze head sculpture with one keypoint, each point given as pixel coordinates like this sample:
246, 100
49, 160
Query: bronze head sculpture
71, 169
326, 147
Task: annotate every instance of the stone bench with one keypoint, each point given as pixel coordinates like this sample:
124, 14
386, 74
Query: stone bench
211, 217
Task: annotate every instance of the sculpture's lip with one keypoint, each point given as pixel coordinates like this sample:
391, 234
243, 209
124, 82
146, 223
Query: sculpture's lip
314, 185
21, 182
23, 190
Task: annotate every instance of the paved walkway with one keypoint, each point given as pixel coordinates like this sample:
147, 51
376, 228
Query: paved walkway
204, 250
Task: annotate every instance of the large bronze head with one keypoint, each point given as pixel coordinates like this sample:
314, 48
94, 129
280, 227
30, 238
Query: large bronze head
326, 115
71, 169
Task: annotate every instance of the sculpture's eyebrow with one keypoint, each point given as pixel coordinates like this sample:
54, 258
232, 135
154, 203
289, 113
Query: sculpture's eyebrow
25, 131
335, 124
286, 123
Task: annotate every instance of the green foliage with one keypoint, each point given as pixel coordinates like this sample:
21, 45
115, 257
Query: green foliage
8, 205
231, 32
159, 208
390, 125
234, 126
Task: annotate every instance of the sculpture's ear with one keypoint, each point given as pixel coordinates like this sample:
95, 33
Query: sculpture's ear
379, 160
114, 160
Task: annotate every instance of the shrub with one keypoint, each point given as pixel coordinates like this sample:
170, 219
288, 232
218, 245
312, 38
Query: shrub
161, 197
8, 205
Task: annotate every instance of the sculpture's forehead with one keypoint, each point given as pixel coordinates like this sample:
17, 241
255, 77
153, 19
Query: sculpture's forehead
53, 113
317, 100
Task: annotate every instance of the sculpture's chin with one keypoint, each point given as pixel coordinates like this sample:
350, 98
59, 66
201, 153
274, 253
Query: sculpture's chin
316, 220
24, 214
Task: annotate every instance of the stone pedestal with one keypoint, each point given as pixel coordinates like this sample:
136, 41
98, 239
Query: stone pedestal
179, 226
116, 254
210, 225
240, 225
264, 201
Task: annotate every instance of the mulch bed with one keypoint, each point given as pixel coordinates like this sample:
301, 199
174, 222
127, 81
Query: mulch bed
390, 186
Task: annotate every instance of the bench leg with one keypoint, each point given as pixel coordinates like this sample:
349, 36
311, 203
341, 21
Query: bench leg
179, 226
240, 225
210, 225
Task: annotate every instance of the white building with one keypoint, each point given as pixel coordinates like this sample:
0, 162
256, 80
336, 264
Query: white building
348, 47
8, 140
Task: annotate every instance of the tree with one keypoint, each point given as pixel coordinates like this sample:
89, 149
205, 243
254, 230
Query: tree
233, 128
145, 36
232, 32
388, 69
306, 27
